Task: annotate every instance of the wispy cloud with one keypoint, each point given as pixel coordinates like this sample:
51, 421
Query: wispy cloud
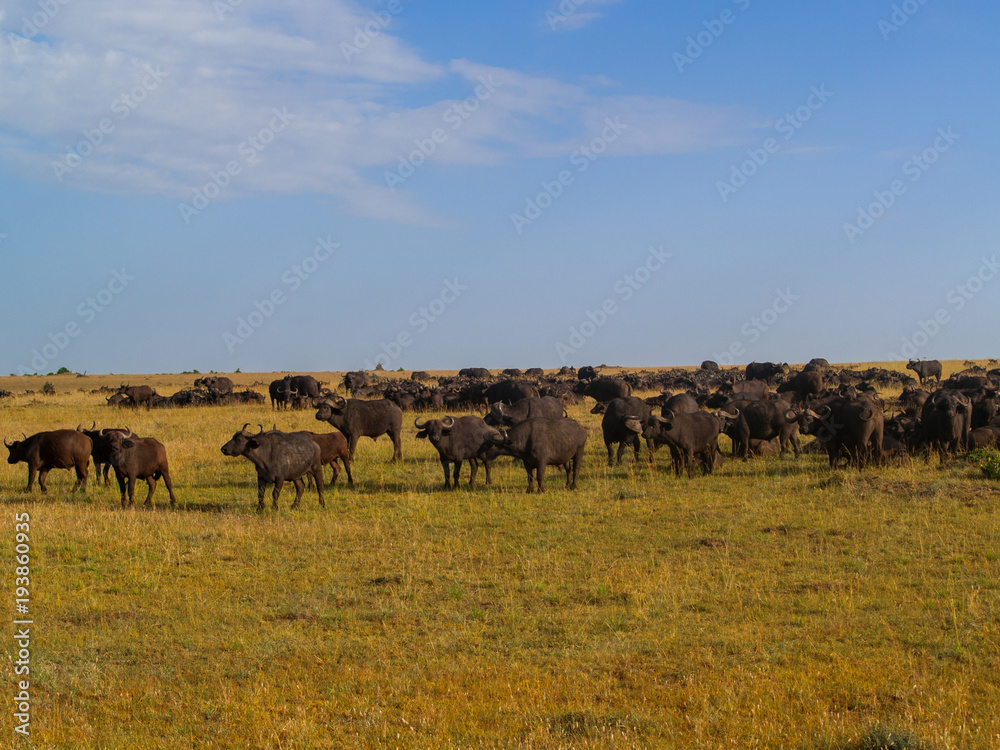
223, 77
573, 15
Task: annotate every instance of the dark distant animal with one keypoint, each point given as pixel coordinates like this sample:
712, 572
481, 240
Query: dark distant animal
217, 384
357, 419
710, 365
57, 449
137, 394
355, 381
534, 372
503, 415
479, 373
512, 372
765, 421
925, 368
278, 393
623, 423
758, 388
117, 399
509, 391
301, 390
586, 373
803, 384
603, 389
540, 442
132, 458
420, 375
985, 405
764, 370
279, 457
457, 440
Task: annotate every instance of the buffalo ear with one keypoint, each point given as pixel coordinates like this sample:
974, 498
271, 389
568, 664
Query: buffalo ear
253, 443
445, 432
422, 434
128, 444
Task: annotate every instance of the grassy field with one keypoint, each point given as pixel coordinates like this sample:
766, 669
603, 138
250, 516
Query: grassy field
774, 604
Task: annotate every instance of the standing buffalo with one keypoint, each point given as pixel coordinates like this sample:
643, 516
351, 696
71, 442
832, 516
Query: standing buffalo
132, 458
803, 384
541, 442
137, 394
355, 381
58, 449
279, 457
925, 368
479, 373
763, 420
623, 422
502, 415
509, 392
764, 370
690, 437
855, 426
357, 419
603, 389
101, 450
457, 440
946, 420
332, 446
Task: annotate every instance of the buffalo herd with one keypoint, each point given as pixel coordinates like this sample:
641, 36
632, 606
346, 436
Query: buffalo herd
763, 409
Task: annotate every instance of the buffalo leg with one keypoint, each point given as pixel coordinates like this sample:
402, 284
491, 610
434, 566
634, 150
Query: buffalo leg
82, 472
336, 472
318, 472
540, 470
347, 468
454, 479
170, 488
261, 488
622, 447
488, 464
121, 487
278, 484
611, 461
473, 470
300, 487
43, 475
397, 447
151, 481
447, 473
31, 478
131, 491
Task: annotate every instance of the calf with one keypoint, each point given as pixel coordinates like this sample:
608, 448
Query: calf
132, 458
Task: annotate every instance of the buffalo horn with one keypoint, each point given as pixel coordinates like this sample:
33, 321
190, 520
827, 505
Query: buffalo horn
6, 443
448, 421
418, 424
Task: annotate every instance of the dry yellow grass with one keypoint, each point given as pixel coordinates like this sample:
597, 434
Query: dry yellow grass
771, 605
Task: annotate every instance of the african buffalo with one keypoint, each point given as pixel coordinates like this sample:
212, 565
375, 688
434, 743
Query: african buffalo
509, 391
764, 370
101, 450
764, 420
925, 368
502, 415
279, 457
945, 422
137, 394
478, 373
690, 437
855, 426
58, 449
357, 419
803, 384
332, 446
540, 442
623, 422
603, 389
216, 384
132, 458
457, 440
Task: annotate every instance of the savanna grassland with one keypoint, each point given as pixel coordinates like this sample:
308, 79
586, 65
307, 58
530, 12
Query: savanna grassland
774, 604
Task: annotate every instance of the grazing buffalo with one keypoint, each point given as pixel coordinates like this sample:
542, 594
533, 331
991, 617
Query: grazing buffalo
603, 390
458, 440
503, 415
623, 422
925, 368
764, 370
137, 394
540, 442
509, 391
279, 457
58, 449
690, 437
132, 458
357, 419
478, 373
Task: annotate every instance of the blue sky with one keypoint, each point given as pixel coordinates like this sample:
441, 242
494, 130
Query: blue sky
326, 185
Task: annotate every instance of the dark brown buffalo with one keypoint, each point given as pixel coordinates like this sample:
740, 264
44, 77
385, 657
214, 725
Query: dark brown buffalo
458, 440
137, 394
333, 446
279, 457
58, 449
357, 419
132, 458
502, 415
540, 442
925, 369
101, 451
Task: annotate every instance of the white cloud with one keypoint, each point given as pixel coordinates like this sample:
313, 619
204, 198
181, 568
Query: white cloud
573, 15
181, 93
